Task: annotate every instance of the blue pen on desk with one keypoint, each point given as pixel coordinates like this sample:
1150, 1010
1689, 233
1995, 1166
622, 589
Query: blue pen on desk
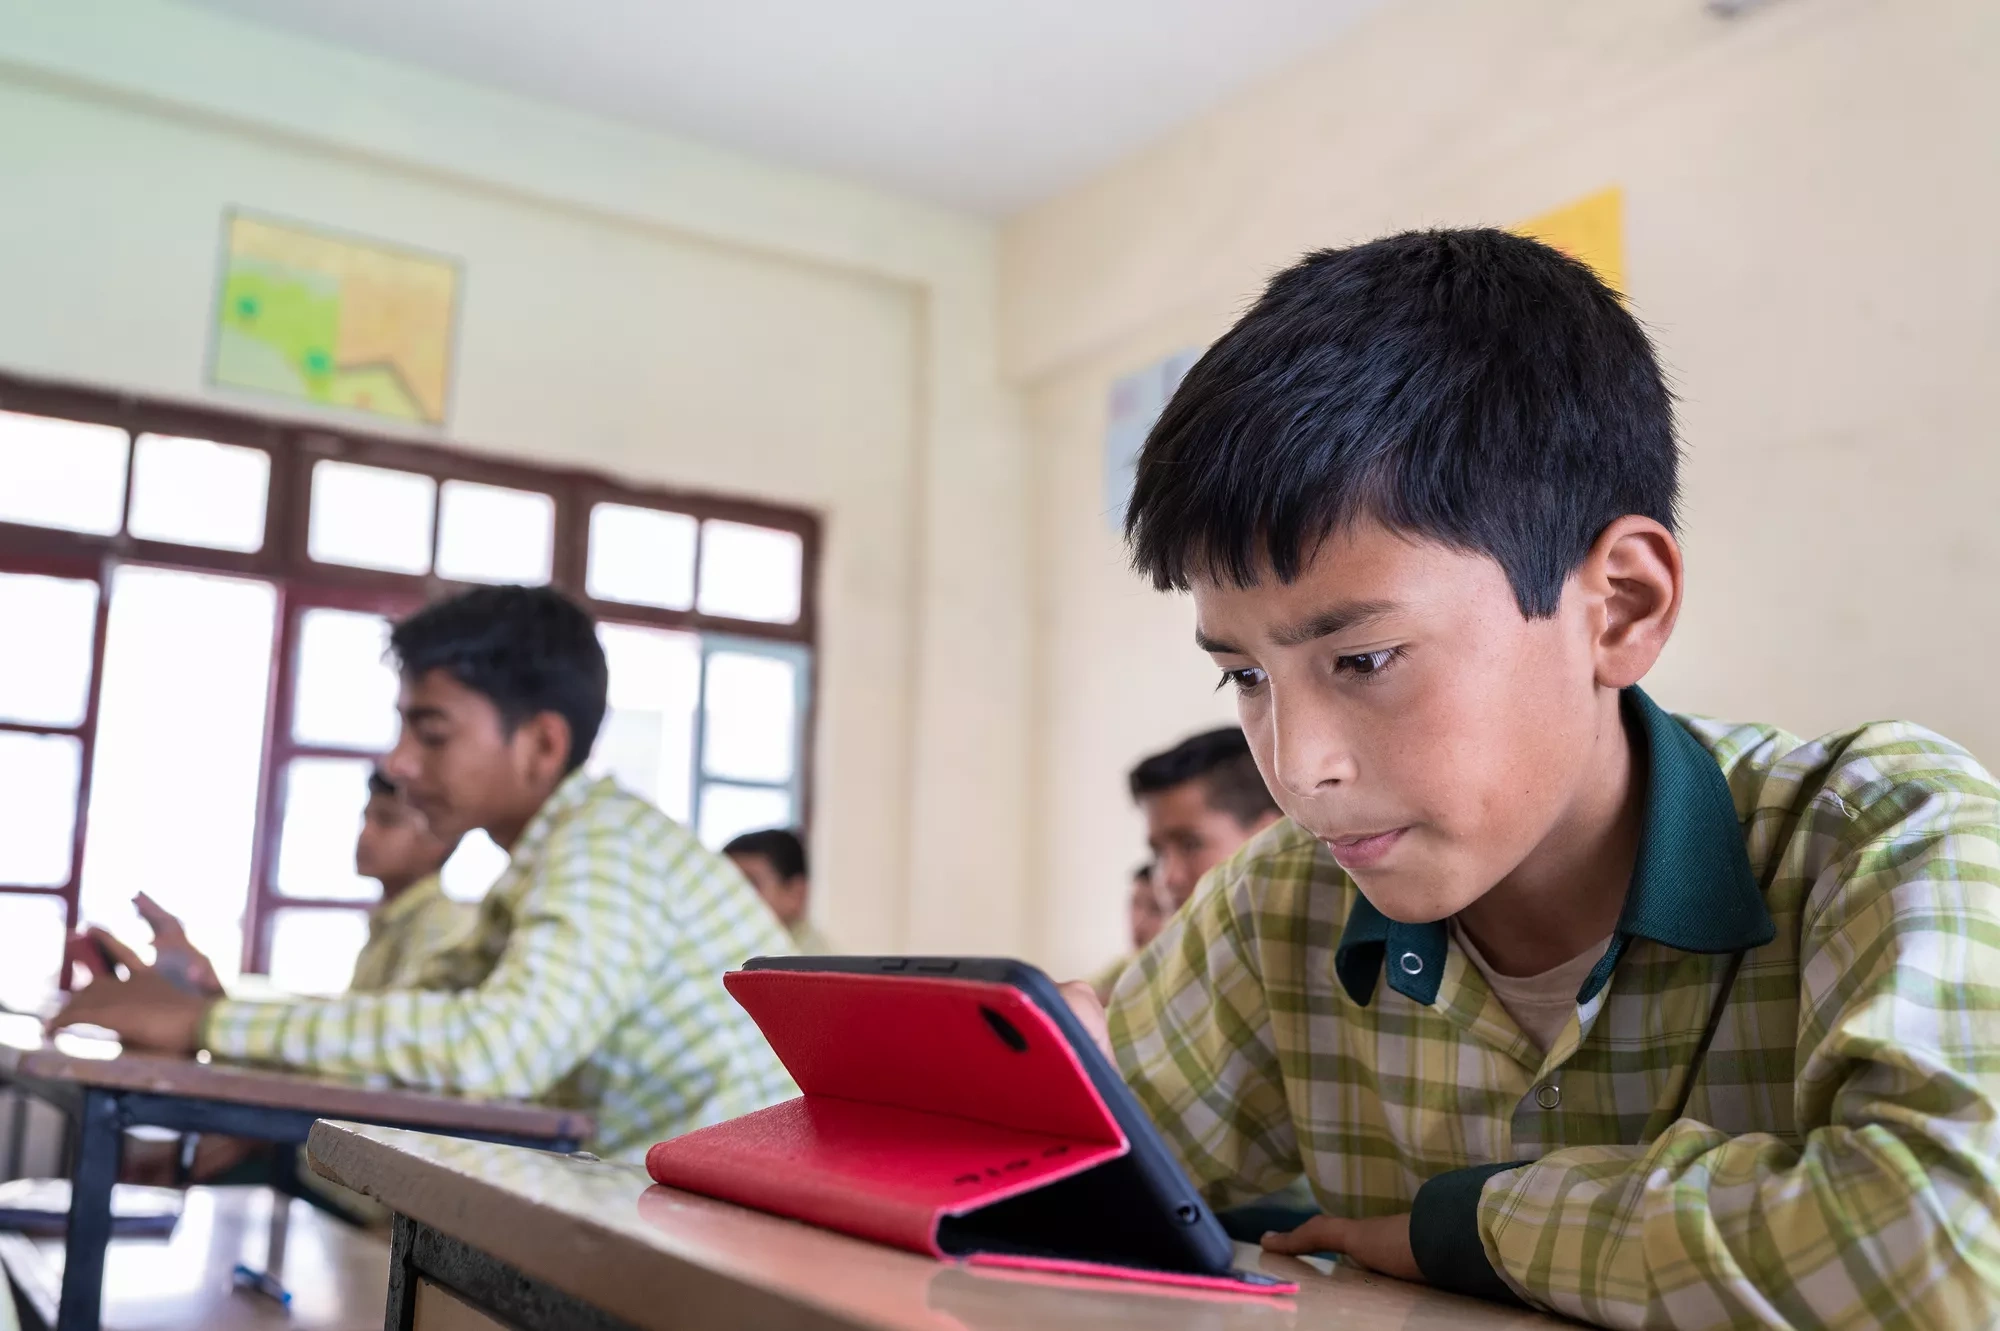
245, 1278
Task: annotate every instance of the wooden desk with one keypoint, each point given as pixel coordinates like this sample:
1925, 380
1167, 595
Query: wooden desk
106, 1092
335, 1272
493, 1238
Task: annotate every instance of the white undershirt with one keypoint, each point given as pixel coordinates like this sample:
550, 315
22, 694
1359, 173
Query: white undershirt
1539, 1004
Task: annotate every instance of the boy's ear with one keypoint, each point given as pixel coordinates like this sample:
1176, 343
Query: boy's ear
543, 740
1632, 583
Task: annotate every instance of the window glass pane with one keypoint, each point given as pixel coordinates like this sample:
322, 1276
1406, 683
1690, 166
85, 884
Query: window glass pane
371, 517
641, 556
647, 739
473, 868
62, 474
490, 534
346, 692
313, 951
38, 778
750, 572
31, 948
199, 493
324, 800
173, 793
729, 811
749, 713
54, 619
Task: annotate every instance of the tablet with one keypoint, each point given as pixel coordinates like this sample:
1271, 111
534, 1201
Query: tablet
955, 1105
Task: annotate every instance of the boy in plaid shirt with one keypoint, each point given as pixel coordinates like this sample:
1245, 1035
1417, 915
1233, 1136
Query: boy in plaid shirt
1551, 995
591, 977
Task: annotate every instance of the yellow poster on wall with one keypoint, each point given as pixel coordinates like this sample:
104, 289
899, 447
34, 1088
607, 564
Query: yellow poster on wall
334, 319
1591, 229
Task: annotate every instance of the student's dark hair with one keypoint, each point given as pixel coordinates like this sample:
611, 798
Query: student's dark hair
1473, 387
1221, 761
527, 649
785, 851
380, 784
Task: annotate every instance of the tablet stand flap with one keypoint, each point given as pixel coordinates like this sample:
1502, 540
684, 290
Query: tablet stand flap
878, 1172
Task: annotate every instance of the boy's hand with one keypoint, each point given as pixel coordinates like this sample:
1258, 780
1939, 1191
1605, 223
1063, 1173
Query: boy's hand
1381, 1243
146, 1009
173, 955
1082, 1000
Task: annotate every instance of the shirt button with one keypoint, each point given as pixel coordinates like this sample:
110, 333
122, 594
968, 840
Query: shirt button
1411, 963
1548, 1097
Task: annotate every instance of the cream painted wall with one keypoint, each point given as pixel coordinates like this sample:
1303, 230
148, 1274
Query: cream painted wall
635, 304
1810, 195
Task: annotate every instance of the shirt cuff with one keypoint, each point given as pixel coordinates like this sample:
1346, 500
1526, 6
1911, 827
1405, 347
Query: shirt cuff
1444, 1234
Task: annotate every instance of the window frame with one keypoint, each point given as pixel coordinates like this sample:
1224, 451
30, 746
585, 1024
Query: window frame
302, 583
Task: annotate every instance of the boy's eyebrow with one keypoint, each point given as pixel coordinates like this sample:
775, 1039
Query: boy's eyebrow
1338, 619
412, 715
1324, 624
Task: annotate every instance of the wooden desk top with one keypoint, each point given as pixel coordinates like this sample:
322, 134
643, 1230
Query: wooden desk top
336, 1273
655, 1258
26, 1055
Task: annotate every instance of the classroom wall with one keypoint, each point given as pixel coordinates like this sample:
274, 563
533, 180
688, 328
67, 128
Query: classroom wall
1809, 191
636, 304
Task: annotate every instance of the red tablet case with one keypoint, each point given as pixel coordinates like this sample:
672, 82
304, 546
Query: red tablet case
914, 1116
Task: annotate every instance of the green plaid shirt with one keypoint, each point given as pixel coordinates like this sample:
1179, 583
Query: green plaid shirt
405, 933
593, 981
1838, 1160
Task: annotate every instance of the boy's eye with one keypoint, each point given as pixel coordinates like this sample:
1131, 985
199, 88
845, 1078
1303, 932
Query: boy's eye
1246, 680
1368, 663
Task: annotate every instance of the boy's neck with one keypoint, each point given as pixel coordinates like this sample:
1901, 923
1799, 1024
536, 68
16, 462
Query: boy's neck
1565, 898
392, 890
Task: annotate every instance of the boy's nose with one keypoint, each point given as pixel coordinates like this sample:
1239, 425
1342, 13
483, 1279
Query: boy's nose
1309, 751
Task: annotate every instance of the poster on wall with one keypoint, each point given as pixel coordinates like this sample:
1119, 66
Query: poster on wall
334, 320
1137, 399
1591, 229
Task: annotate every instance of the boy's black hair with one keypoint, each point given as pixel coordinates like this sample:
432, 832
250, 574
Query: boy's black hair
527, 649
1221, 761
380, 784
784, 849
1473, 387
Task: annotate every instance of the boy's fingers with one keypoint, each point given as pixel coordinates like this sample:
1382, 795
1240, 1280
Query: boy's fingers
1322, 1233
79, 950
117, 951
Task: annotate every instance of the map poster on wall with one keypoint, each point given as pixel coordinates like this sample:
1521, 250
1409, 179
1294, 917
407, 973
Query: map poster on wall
1591, 229
334, 320
1137, 399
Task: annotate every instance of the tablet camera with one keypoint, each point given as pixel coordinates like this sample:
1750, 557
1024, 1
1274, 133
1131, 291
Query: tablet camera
1005, 1029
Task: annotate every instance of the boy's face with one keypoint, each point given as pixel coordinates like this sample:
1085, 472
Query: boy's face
460, 767
396, 846
785, 896
1189, 836
1405, 712
1148, 912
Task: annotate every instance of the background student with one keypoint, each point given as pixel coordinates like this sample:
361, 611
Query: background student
1146, 915
592, 978
775, 863
1202, 799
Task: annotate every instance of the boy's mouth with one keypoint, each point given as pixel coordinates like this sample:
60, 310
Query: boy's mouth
1363, 850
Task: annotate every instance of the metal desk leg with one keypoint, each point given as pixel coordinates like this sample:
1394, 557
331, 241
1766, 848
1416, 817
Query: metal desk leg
100, 1145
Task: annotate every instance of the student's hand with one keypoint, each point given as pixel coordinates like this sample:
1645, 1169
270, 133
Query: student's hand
147, 1010
173, 955
1381, 1243
1082, 1000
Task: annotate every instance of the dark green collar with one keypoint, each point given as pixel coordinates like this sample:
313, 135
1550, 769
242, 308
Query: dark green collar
1692, 888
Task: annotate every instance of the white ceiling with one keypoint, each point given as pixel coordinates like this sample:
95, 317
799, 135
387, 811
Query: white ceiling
984, 105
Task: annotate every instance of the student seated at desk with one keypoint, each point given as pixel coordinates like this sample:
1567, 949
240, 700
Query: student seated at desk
1203, 799
775, 863
593, 978
1553, 995
414, 922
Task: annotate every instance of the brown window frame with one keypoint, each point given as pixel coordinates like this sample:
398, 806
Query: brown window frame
302, 583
